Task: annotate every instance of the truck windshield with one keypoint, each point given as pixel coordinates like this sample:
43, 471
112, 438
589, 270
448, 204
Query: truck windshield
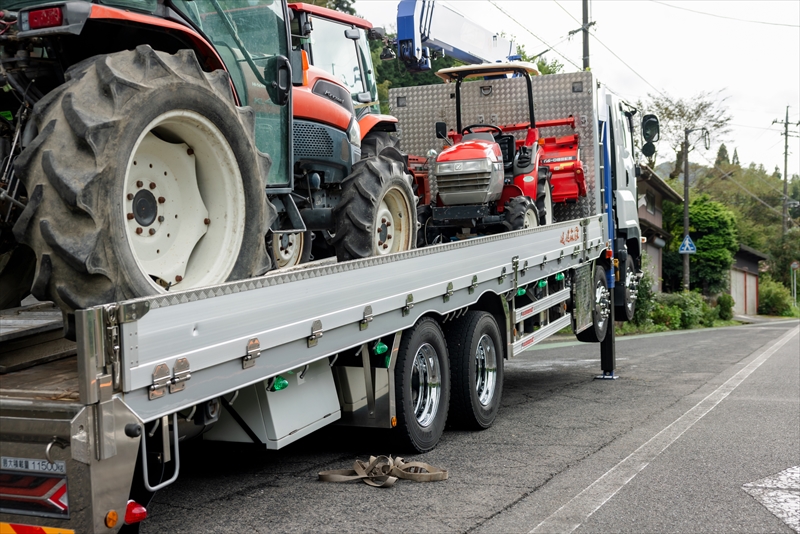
334, 53
254, 30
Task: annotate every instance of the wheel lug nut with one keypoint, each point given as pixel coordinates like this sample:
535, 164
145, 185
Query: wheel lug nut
161, 200
380, 243
139, 231
178, 278
152, 185
388, 237
383, 220
190, 151
160, 218
380, 230
139, 183
130, 196
207, 220
388, 223
152, 231
130, 216
385, 246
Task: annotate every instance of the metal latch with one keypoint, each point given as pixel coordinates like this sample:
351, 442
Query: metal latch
502, 277
544, 262
409, 304
161, 379
253, 352
180, 374
449, 293
524, 268
364, 323
474, 285
316, 333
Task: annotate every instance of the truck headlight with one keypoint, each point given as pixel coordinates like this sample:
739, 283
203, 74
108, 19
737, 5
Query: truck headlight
466, 166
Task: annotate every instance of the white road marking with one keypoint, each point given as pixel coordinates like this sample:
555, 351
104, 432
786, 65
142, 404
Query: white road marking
570, 516
780, 494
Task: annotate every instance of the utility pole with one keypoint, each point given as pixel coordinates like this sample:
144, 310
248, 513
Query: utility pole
785, 123
686, 133
586, 35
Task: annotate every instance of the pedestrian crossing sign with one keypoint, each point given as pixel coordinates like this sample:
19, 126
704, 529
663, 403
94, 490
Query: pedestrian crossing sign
687, 247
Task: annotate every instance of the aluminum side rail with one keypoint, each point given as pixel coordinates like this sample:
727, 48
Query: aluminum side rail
179, 349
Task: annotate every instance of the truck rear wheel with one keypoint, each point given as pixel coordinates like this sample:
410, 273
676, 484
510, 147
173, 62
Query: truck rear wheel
520, 213
422, 378
625, 310
376, 214
600, 311
144, 177
476, 359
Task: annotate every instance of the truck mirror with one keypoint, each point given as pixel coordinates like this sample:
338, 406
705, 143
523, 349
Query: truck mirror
296, 59
352, 33
364, 98
650, 128
441, 130
278, 75
649, 149
376, 34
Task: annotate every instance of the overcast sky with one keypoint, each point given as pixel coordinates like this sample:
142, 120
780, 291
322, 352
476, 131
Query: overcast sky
755, 60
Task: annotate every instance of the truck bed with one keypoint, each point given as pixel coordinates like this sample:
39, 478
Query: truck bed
52, 381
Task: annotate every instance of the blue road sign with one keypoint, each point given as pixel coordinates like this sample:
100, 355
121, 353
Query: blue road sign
687, 247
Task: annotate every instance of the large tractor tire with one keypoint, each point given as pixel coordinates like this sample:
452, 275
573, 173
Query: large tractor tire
600, 311
374, 143
377, 211
422, 392
520, 213
144, 178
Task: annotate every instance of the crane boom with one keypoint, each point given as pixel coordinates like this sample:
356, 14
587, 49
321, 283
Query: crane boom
423, 25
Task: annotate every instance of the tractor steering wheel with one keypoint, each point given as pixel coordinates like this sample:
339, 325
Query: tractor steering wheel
468, 129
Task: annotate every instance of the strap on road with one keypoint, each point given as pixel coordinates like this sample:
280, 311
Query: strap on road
383, 472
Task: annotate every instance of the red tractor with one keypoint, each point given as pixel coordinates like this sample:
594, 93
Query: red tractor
488, 180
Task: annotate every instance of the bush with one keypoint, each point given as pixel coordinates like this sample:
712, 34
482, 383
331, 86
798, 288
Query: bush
773, 297
645, 296
725, 303
710, 314
669, 316
690, 305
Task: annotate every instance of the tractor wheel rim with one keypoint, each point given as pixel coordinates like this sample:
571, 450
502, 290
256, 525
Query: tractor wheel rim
426, 385
184, 202
531, 221
288, 249
485, 370
393, 224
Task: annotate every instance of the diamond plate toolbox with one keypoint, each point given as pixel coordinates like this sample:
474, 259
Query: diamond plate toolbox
504, 101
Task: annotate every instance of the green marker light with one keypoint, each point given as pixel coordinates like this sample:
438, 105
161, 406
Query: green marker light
542, 283
279, 383
521, 291
559, 277
379, 348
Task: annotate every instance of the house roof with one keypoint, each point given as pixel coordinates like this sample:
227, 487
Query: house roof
652, 179
753, 254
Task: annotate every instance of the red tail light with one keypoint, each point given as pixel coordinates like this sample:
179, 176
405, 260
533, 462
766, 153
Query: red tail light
45, 18
134, 513
34, 494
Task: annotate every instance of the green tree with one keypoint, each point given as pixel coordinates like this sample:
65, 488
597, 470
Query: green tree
722, 156
345, 6
784, 250
704, 110
712, 227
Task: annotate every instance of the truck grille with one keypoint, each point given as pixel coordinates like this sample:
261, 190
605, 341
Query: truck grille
456, 189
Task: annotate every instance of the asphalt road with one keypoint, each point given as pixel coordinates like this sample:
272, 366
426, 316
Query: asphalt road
695, 435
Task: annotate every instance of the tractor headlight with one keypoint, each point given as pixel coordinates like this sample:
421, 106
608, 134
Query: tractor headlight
354, 133
467, 166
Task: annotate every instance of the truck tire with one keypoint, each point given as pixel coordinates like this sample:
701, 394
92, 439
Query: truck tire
374, 143
600, 312
625, 310
476, 370
520, 213
422, 378
293, 249
377, 211
139, 155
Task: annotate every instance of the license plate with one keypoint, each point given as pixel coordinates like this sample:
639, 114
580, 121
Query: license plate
32, 465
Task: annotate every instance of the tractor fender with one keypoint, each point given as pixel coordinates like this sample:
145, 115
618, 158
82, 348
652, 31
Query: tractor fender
377, 122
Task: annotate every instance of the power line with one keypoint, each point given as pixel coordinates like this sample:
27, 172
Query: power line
533, 34
724, 17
